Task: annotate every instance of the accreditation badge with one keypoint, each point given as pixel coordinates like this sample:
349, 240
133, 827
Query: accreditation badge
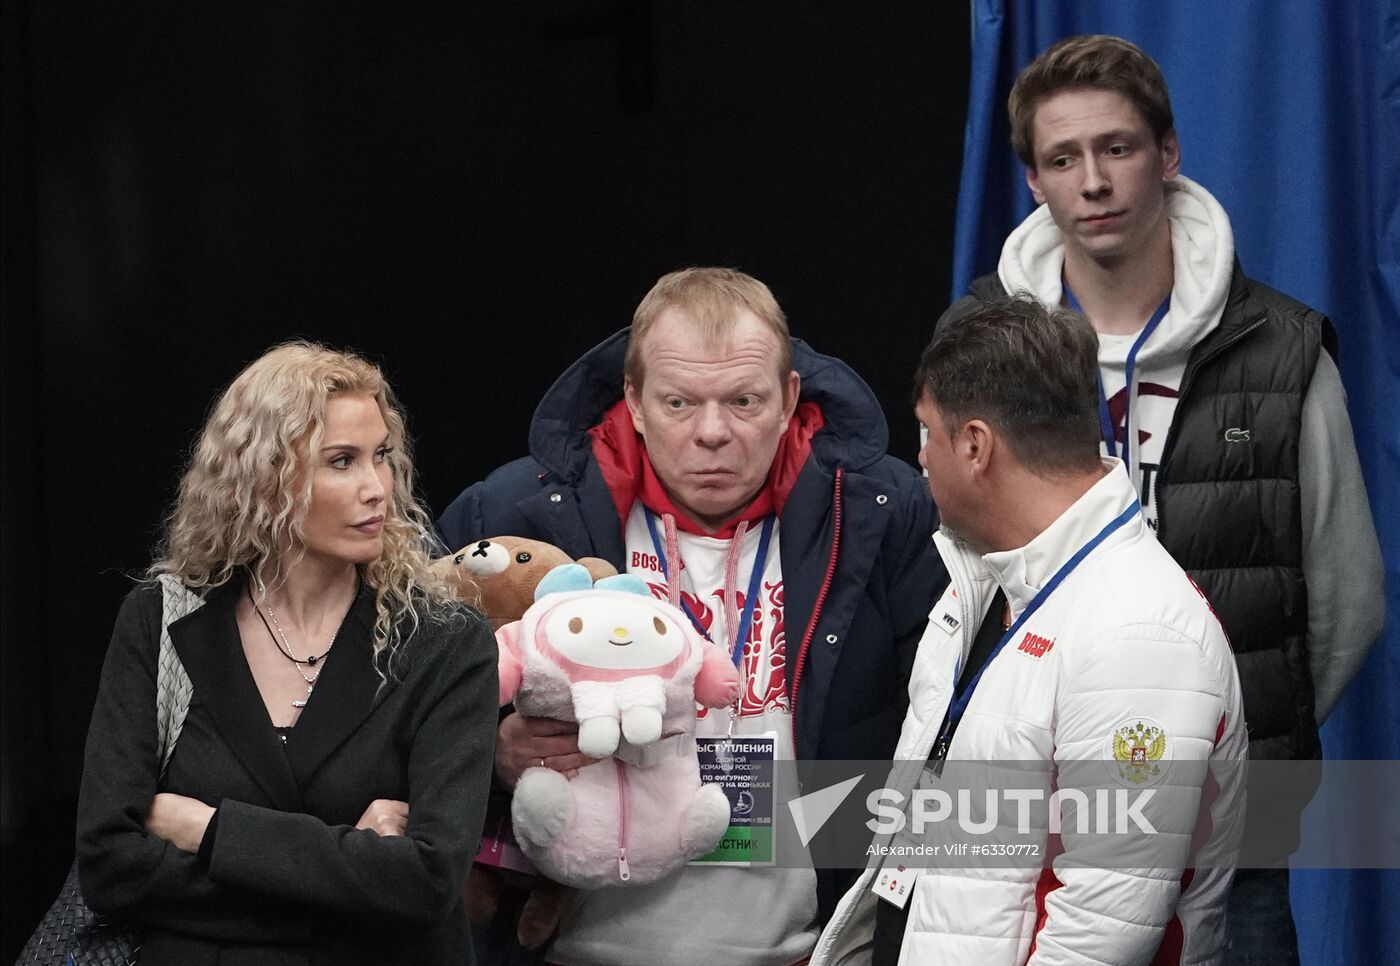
498, 845
741, 766
896, 874
894, 883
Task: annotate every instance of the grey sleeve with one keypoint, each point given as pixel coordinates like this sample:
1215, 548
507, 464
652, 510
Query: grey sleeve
1341, 556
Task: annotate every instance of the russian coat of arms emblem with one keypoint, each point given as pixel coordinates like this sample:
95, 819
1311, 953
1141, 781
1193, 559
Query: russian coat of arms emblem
1138, 748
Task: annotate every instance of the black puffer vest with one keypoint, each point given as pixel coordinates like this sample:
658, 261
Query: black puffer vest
1228, 507
1228, 504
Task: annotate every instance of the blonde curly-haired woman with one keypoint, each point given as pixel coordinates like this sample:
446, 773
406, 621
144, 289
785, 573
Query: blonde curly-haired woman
325, 796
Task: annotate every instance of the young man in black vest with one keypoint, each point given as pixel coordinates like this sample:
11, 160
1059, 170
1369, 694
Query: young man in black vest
1222, 397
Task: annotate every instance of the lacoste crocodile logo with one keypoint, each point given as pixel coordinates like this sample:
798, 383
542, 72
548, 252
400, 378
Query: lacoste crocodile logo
1236, 435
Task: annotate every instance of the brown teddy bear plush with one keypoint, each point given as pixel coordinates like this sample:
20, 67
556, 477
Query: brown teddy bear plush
499, 576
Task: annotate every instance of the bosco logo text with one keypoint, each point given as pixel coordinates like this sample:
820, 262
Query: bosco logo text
1035, 645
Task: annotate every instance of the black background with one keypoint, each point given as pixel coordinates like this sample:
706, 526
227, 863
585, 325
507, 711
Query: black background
471, 196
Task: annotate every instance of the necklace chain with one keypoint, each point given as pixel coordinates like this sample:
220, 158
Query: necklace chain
296, 662
279, 640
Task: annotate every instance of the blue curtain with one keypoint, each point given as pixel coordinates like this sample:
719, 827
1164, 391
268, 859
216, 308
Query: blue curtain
1288, 111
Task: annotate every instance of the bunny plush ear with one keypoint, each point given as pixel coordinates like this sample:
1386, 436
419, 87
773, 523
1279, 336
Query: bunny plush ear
626, 583
564, 577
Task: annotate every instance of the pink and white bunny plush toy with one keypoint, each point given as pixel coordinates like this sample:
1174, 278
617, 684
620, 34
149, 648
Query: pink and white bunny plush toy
629, 669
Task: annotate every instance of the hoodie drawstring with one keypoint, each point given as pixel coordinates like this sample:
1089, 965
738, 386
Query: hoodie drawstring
729, 596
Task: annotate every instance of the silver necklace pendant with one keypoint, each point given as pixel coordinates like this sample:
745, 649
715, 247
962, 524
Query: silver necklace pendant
302, 703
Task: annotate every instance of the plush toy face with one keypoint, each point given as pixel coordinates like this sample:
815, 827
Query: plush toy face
500, 574
614, 631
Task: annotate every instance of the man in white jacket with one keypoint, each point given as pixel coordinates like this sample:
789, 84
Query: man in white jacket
1222, 397
1071, 644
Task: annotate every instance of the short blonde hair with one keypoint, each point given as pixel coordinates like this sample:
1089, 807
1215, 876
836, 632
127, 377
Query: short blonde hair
711, 297
244, 496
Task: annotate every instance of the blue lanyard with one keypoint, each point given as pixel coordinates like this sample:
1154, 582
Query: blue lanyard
742, 633
1105, 421
960, 700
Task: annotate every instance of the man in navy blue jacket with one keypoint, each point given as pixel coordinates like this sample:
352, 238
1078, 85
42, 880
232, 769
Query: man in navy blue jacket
745, 477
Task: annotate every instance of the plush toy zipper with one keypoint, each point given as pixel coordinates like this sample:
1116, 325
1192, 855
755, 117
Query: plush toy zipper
623, 871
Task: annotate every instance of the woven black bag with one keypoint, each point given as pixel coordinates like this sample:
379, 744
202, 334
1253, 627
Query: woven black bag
71, 934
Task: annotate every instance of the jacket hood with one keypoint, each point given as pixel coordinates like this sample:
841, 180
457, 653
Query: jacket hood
853, 434
628, 472
1203, 256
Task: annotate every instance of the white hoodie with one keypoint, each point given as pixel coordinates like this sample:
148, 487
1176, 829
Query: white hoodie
1203, 256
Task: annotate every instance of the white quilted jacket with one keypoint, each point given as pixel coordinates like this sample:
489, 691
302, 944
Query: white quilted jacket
1131, 641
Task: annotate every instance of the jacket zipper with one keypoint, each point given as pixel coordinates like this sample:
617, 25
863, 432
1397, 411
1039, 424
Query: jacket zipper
971, 613
817, 607
624, 872
1187, 378
961, 581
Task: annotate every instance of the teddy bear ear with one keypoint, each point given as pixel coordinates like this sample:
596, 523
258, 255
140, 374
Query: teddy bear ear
626, 583
598, 567
565, 577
